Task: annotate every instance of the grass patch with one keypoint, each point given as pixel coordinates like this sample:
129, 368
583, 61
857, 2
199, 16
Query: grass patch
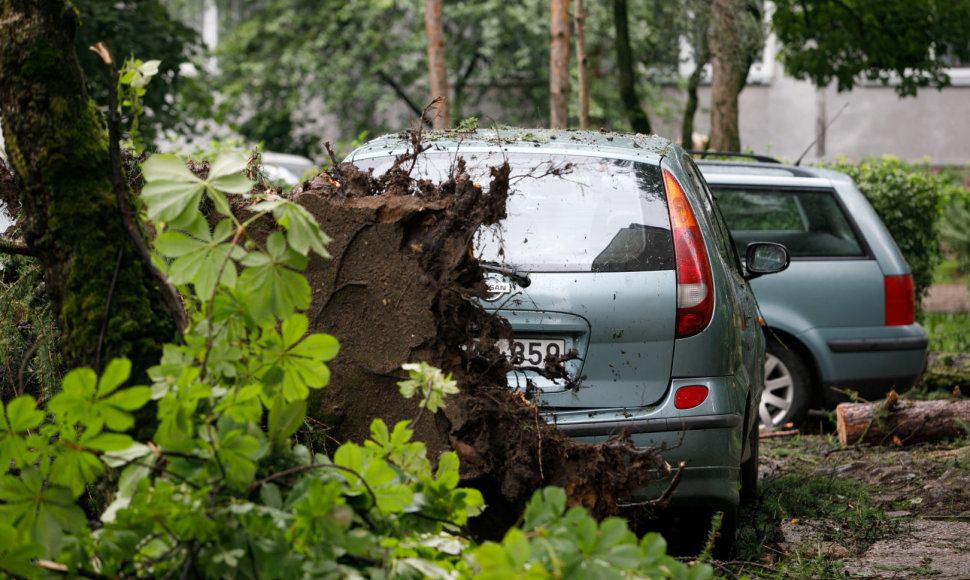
948, 331
950, 271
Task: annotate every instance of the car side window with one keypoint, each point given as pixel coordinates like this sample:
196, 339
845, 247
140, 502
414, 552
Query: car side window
721, 230
811, 223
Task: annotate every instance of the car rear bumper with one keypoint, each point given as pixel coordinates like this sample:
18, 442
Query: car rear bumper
868, 360
708, 439
711, 466
654, 425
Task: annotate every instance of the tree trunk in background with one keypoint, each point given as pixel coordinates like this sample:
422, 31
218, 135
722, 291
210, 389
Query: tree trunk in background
437, 65
727, 78
579, 18
639, 121
690, 107
702, 55
57, 144
559, 65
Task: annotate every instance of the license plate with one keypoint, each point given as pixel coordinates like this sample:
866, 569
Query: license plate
532, 351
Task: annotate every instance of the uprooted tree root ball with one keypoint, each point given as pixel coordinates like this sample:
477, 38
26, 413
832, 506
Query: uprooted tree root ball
400, 287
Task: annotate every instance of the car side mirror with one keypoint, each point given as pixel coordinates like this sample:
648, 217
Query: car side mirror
762, 258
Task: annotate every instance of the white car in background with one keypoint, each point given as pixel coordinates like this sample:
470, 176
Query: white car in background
285, 167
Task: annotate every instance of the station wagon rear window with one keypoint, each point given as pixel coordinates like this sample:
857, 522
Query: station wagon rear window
568, 213
810, 223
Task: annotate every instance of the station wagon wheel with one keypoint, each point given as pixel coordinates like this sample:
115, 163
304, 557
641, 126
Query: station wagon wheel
786, 395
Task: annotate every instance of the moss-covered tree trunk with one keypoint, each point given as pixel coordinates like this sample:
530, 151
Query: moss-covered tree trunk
57, 144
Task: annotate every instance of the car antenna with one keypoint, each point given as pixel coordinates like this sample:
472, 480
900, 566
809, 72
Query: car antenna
814, 141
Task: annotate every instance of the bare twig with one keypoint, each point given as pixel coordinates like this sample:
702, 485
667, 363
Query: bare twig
295, 470
422, 407
535, 410
64, 570
212, 299
787, 433
331, 153
107, 310
664, 497
23, 364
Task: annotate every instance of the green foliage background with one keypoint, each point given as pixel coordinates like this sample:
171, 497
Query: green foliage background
142, 29
898, 41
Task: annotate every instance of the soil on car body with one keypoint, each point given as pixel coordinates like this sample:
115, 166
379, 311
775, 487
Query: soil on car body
400, 287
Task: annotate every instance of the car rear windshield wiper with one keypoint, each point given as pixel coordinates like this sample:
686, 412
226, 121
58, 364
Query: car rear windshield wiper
521, 278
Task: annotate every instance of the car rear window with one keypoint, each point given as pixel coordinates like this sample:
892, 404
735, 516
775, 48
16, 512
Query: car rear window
568, 213
811, 223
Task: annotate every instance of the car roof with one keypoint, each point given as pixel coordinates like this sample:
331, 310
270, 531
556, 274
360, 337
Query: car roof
632, 146
765, 170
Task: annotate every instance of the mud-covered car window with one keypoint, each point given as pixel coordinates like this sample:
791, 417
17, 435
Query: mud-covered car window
569, 213
811, 223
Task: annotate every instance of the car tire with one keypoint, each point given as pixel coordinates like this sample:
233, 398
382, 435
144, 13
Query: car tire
749, 469
786, 395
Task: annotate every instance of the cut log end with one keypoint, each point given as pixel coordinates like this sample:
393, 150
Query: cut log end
898, 422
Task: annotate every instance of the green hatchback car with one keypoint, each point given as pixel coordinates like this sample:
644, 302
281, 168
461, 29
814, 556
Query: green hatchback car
842, 317
614, 247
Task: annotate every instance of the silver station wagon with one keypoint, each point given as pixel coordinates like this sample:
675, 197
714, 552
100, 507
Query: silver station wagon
841, 318
613, 247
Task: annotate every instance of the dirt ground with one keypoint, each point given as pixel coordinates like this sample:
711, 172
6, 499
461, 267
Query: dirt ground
924, 491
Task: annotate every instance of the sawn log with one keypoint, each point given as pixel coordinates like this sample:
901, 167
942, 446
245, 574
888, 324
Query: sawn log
899, 422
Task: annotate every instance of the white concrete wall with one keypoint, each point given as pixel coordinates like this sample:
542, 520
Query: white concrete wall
779, 119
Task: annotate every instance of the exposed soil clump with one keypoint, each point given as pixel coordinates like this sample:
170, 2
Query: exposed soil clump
401, 287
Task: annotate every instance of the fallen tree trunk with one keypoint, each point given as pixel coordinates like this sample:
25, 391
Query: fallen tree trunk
400, 288
896, 422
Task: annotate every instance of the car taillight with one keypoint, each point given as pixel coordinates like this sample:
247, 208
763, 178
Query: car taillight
900, 300
690, 397
695, 302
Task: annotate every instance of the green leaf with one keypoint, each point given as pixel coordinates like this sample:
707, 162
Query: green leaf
393, 498
284, 419
114, 375
81, 399
107, 442
22, 414
269, 494
19, 416
201, 258
75, 468
302, 230
228, 164
273, 287
239, 453
43, 511
17, 554
296, 364
171, 192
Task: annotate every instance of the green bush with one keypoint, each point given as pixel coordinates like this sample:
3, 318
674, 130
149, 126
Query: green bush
910, 201
955, 231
